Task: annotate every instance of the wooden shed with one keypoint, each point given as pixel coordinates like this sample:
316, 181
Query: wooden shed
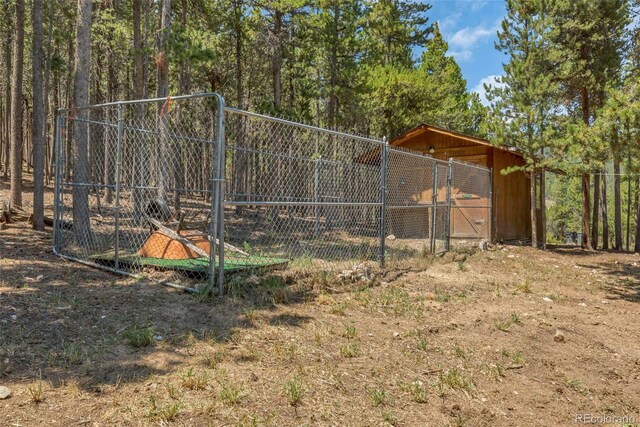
510, 213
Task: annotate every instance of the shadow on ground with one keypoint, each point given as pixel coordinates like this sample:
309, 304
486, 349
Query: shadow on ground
63, 321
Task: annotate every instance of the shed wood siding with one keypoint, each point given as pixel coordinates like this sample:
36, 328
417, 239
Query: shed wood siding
511, 199
511, 196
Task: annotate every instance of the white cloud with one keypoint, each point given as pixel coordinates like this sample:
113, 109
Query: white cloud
478, 4
461, 55
489, 80
467, 37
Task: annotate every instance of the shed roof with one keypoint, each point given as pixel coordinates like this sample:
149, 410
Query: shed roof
425, 128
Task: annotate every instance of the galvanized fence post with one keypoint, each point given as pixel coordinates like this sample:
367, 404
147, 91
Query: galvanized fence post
213, 224
220, 193
117, 189
434, 204
57, 205
316, 195
384, 152
447, 244
491, 215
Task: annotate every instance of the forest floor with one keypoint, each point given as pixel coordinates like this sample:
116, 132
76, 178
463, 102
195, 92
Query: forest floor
507, 337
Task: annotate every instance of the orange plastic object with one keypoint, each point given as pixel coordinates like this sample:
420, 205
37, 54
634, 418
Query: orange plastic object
158, 245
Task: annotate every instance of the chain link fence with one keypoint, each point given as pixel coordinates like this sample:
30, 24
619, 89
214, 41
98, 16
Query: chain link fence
187, 185
470, 202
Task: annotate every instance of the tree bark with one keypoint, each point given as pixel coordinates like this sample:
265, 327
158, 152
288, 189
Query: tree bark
636, 245
7, 112
162, 90
15, 196
543, 207
617, 208
333, 70
595, 220
534, 218
586, 180
138, 93
604, 211
81, 223
38, 119
277, 60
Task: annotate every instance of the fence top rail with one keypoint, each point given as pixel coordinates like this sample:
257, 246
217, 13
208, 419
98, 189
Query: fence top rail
216, 95
470, 165
302, 125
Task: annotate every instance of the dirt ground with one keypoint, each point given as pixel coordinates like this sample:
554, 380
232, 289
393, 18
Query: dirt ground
507, 337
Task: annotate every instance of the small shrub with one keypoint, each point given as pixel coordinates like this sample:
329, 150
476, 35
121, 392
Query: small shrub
389, 418
164, 412
230, 393
339, 308
517, 358
213, 360
36, 392
497, 371
350, 332
418, 392
195, 381
139, 336
524, 287
251, 314
460, 351
455, 380
422, 344
73, 353
515, 318
503, 325
294, 390
350, 350
378, 396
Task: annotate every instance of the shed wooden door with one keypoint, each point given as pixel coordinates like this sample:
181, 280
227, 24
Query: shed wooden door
471, 201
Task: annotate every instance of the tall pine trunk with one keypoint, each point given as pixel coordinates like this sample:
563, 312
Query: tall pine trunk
138, 93
38, 119
617, 200
15, 197
534, 218
332, 106
636, 245
81, 223
604, 211
162, 91
7, 112
586, 179
543, 208
595, 225
276, 67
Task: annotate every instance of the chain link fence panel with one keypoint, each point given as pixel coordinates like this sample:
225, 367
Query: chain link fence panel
185, 187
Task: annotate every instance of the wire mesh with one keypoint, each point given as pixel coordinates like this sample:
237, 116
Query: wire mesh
298, 192
184, 184
470, 201
144, 200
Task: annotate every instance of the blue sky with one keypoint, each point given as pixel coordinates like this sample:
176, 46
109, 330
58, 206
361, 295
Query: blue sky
470, 26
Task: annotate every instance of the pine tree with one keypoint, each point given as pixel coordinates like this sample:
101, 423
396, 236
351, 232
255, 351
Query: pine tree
392, 28
38, 119
586, 44
447, 100
523, 107
15, 197
81, 222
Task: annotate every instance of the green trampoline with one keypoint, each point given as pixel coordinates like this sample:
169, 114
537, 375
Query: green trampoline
192, 265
